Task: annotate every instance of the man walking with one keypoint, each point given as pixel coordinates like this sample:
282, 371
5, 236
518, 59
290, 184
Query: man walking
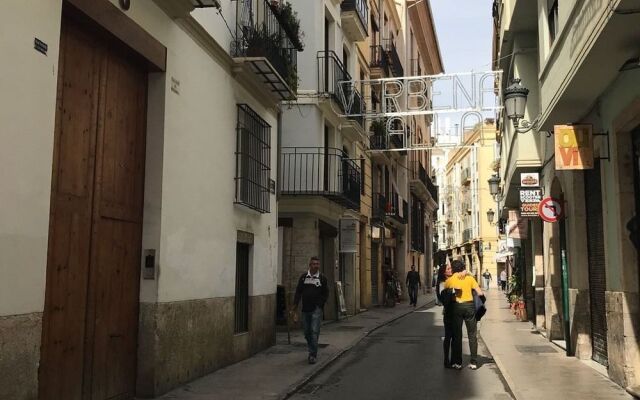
503, 280
486, 279
413, 283
314, 292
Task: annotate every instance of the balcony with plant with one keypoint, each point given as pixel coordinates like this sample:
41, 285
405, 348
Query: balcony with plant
268, 37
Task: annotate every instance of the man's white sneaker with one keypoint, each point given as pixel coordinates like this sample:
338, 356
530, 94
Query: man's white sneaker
456, 366
473, 366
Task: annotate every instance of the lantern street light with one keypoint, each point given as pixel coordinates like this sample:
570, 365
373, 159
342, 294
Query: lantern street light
515, 102
494, 185
490, 215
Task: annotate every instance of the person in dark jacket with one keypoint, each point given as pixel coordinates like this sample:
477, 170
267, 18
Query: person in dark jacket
413, 283
313, 289
446, 298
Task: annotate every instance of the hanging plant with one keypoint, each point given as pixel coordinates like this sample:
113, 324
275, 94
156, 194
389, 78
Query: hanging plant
290, 22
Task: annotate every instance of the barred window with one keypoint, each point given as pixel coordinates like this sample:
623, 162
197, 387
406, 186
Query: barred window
253, 160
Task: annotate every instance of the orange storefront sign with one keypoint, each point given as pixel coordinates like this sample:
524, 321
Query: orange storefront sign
574, 146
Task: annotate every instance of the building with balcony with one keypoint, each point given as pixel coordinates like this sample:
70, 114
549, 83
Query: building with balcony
139, 222
473, 238
579, 61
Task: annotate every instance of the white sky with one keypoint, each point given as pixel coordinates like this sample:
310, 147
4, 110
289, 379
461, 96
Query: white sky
464, 29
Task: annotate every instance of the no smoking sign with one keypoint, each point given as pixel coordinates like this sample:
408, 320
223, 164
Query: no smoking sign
550, 209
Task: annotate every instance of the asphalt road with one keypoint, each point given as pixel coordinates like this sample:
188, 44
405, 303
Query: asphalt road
403, 360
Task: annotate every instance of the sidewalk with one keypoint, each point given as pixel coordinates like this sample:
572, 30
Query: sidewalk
533, 367
280, 370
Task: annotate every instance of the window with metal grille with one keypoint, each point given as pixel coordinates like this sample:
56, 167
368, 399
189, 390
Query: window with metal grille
242, 288
253, 160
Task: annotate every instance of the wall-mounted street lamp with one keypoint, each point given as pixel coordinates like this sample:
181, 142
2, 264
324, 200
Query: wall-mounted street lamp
515, 102
494, 185
490, 215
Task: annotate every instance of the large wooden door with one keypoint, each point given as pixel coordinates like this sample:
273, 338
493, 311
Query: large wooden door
90, 319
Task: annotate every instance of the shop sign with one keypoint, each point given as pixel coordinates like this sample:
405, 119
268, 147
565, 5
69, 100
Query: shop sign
529, 200
550, 209
530, 179
348, 235
573, 146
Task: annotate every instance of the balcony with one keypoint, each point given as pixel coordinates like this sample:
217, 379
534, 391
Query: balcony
465, 176
397, 210
417, 226
467, 235
355, 19
378, 211
394, 57
433, 191
418, 179
335, 82
318, 171
379, 62
264, 47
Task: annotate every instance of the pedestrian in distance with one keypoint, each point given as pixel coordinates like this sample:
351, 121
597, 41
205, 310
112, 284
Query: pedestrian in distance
486, 279
446, 298
314, 291
413, 283
464, 311
503, 280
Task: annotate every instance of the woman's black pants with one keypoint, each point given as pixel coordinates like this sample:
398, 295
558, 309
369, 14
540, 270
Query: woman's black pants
464, 312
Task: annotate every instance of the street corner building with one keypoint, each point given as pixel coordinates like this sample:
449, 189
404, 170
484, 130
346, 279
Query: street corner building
138, 243
572, 118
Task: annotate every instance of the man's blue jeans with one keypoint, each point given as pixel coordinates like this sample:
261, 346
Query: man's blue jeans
311, 324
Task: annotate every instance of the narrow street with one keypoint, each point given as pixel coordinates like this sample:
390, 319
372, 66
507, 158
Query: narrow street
403, 360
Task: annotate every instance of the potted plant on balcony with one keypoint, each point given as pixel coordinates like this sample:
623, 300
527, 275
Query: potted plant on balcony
378, 127
290, 22
259, 42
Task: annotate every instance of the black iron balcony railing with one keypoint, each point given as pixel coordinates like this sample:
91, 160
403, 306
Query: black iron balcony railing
378, 209
396, 64
379, 141
433, 190
417, 225
396, 209
362, 9
319, 171
335, 81
259, 33
466, 235
356, 104
417, 172
379, 58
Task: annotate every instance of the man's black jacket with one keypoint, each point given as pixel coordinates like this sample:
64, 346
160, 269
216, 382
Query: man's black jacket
313, 290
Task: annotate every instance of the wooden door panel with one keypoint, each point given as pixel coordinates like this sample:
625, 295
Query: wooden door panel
118, 222
90, 323
116, 315
70, 221
123, 142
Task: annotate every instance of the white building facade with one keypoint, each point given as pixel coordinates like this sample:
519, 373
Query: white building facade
146, 257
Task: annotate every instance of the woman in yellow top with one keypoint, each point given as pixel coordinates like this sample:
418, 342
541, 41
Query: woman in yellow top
463, 310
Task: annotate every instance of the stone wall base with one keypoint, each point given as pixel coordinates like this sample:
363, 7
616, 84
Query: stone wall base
20, 337
623, 336
553, 313
181, 341
580, 314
